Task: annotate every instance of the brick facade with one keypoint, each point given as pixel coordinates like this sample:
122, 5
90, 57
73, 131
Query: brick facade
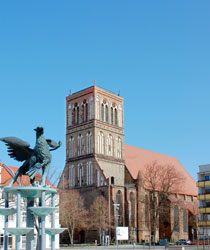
95, 161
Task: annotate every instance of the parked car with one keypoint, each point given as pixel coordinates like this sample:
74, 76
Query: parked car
163, 242
183, 242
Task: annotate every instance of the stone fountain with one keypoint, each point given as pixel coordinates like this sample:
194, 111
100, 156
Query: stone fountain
31, 194
34, 160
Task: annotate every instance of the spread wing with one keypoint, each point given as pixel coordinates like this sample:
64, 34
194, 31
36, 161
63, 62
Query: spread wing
53, 144
17, 148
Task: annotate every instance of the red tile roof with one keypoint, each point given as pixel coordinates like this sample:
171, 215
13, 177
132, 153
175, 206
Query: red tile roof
6, 178
137, 158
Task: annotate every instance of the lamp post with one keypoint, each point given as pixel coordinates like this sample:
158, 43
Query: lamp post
117, 207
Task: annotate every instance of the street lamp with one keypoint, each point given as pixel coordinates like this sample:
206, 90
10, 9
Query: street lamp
117, 208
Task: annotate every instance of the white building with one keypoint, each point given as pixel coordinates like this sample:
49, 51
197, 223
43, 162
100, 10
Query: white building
5, 179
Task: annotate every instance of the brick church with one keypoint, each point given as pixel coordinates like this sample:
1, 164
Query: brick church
99, 163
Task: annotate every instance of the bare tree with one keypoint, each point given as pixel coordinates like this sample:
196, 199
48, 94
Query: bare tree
99, 215
160, 181
73, 213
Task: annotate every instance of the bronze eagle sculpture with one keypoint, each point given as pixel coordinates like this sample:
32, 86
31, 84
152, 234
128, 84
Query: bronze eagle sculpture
34, 159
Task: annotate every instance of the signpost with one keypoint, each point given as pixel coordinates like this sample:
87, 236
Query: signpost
122, 233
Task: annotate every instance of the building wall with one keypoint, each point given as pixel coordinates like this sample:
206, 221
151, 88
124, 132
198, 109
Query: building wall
113, 170
83, 173
204, 199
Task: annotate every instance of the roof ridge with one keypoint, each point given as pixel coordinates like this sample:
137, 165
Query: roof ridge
150, 151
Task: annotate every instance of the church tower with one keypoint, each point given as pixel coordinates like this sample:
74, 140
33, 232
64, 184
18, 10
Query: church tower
94, 139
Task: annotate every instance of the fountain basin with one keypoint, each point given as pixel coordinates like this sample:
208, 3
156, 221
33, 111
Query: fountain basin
54, 231
19, 231
30, 192
43, 211
7, 211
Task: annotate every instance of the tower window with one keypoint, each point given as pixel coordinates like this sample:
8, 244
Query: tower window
109, 145
97, 108
118, 148
100, 143
106, 113
71, 147
80, 175
80, 144
77, 117
115, 117
69, 115
112, 120
74, 116
89, 173
71, 176
112, 180
89, 143
84, 111
102, 112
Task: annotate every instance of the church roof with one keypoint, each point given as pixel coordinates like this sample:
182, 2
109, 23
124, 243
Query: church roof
136, 159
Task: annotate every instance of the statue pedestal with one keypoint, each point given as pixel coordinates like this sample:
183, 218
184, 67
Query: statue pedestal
31, 193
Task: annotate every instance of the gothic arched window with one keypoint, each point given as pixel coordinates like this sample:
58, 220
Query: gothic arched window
146, 209
109, 145
112, 180
100, 143
112, 118
185, 221
69, 115
77, 120
80, 142
176, 218
71, 147
89, 143
89, 173
86, 112
132, 209
97, 108
115, 117
74, 116
91, 116
102, 112
80, 174
71, 176
118, 148
106, 113
83, 112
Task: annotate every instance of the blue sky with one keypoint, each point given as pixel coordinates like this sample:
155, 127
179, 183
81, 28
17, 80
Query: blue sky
156, 53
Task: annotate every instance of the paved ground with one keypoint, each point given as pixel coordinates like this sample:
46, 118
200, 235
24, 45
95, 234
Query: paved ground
137, 247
